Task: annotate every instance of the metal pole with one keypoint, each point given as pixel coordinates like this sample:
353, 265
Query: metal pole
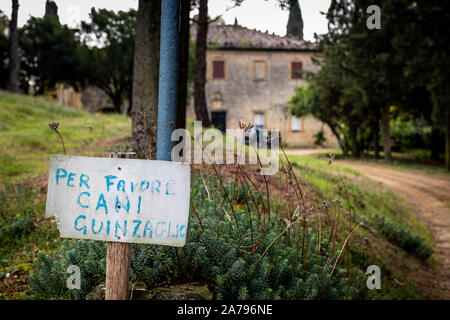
168, 77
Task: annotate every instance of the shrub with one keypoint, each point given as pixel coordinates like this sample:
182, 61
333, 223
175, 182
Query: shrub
411, 133
242, 258
16, 216
402, 237
319, 138
16, 230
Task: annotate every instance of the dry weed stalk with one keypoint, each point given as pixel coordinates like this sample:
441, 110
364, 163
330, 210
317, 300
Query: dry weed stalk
220, 180
253, 201
54, 126
342, 250
91, 129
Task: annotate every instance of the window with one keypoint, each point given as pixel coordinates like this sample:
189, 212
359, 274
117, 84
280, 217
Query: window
259, 70
296, 123
218, 69
296, 70
259, 120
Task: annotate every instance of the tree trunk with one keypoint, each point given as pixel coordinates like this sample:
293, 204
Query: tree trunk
201, 110
435, 142
385, 119
447, 139
183, 63
117, 102
14, 62
376, 138
338, 138
130, 102
144, 112
354, 139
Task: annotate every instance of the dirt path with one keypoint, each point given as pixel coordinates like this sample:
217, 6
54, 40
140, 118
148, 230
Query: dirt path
430, 197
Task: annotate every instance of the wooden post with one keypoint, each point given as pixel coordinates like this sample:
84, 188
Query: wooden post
118, 258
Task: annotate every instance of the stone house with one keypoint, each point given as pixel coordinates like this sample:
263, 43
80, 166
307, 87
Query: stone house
251, 75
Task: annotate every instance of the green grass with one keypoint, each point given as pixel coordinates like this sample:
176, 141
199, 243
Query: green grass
368, 200
431, 169
410, 159
366, 196
27, 141
24, 232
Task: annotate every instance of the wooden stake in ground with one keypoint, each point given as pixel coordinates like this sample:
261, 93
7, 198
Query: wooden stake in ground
118, 258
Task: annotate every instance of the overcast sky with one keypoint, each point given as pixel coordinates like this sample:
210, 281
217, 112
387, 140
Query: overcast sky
255, 14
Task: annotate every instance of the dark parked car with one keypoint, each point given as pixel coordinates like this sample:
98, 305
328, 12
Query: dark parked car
258, 133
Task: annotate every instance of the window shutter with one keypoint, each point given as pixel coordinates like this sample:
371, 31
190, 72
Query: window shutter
218, 69
296, 123
296, 70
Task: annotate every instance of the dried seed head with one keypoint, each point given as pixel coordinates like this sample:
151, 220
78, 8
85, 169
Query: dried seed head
288, 223
366, 243
396, 283
330, 158
245, 126
54, 125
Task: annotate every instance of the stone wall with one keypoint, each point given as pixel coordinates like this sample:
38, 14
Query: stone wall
95, 100
241, 95
67, 96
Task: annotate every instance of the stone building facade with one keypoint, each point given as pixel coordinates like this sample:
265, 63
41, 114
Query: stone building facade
251, 75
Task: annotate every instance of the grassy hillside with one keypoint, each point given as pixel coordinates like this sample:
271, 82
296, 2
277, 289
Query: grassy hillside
27, 141
366, 196
390, 232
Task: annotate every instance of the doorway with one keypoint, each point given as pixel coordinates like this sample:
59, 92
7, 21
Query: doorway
219, 120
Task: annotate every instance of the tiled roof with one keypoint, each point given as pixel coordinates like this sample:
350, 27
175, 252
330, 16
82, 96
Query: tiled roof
241, 38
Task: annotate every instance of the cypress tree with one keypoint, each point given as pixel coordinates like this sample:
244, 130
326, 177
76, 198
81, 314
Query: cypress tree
51, 8
14, 59
295, 22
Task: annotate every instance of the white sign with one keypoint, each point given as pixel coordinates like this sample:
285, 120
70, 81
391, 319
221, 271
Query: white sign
116, 199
